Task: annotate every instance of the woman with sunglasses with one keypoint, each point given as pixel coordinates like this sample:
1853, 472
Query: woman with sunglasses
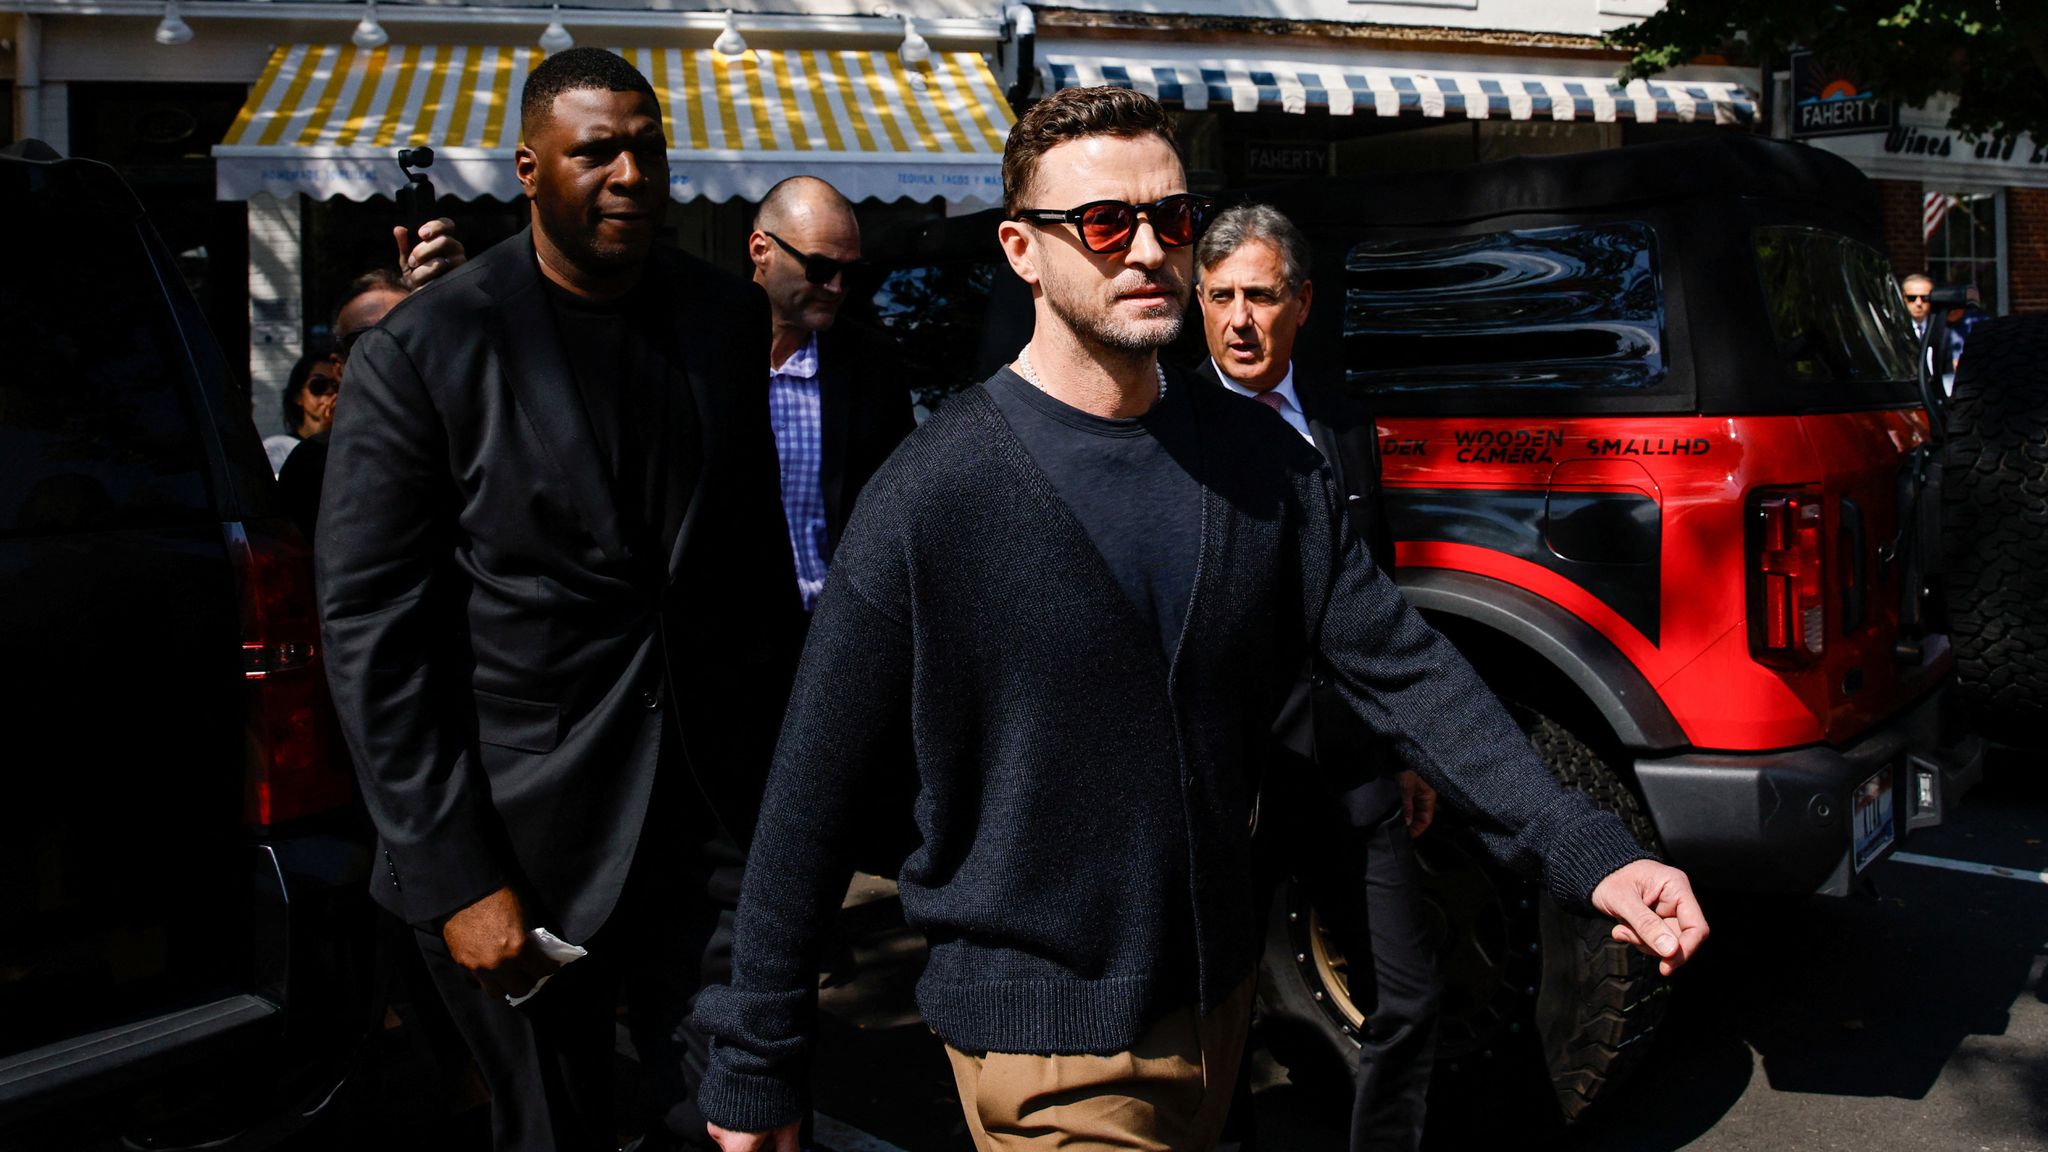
309, 394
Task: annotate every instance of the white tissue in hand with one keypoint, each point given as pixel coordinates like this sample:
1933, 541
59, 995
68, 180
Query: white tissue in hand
554, 948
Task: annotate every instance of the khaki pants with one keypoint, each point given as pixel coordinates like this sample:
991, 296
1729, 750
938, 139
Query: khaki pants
1170, 1093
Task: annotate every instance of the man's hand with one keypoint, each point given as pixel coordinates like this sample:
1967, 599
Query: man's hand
783, 1139
435, 253
1656, 910
1418, 803
488, 939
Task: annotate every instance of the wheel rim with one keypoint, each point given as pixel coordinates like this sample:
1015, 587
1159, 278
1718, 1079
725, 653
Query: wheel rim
1486, 940
1332, 975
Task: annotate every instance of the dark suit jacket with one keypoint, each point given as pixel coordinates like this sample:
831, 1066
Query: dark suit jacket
865, 407
299, 481
1937, 354
864, 404
1316, 724
508, 677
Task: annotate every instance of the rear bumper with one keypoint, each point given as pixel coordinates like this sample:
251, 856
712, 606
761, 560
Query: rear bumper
1781, 821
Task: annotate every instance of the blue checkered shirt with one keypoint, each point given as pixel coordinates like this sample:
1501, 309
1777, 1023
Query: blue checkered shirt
798, 417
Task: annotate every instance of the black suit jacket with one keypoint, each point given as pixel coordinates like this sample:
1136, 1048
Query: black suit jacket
1316, 724
298, 482
507, 676
864, 405
1936, 355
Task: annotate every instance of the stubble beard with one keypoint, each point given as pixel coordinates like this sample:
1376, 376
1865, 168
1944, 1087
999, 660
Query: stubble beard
1124, 338
574, 234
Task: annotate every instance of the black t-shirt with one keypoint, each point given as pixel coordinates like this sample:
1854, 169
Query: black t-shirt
640, 408
1125, 483
1124, 480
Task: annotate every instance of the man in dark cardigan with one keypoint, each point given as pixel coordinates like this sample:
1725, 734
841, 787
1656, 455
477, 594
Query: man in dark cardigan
1090, 586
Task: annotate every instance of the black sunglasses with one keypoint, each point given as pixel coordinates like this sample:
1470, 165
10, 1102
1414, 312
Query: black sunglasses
322, 385
1918, 296
818, 269
1112, 225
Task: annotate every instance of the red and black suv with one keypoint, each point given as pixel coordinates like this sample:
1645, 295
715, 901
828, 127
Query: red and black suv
1655, 458
184, 927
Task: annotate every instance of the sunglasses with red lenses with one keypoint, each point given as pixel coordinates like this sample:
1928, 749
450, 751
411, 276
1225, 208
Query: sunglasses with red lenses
1112, 225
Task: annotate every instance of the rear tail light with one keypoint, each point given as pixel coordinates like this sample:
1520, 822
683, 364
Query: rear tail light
294, 768
1787, 598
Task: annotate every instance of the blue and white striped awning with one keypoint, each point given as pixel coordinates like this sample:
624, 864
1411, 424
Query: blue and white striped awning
1346, 89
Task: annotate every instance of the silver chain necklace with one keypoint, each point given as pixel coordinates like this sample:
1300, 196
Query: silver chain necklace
1030, 374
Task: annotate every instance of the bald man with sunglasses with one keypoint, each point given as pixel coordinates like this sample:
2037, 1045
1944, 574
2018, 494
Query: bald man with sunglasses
837, 403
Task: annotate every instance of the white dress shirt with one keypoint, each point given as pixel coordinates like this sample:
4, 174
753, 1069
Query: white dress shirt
1290, 403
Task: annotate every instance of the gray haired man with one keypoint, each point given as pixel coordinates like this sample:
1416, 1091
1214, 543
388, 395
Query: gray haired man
1255, 294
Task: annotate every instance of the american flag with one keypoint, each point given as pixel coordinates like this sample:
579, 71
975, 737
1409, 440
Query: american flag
1934, 208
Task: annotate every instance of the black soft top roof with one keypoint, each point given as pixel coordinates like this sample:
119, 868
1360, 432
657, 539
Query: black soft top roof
1712, 165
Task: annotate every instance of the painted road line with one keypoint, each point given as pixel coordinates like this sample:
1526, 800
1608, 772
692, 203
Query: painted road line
1966, 866
840, 1136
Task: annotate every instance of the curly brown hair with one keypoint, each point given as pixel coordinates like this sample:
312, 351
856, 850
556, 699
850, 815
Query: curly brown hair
1072, 114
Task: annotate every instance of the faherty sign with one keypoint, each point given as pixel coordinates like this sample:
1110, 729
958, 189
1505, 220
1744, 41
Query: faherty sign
1829, 102
1286, 160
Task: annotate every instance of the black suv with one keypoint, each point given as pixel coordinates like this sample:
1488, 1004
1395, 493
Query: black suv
184, 930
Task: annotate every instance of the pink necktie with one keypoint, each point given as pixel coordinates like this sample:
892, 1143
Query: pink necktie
1271, 399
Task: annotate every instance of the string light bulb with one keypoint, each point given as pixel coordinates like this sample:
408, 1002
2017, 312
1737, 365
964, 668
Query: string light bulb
556, 38
172, 29
369, 34
730, 44
916, 51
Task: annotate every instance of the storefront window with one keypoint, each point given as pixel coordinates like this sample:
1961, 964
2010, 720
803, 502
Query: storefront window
1964, 246
159, 136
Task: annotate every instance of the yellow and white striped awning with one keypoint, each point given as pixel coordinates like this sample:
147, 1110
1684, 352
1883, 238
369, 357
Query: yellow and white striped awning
326, 120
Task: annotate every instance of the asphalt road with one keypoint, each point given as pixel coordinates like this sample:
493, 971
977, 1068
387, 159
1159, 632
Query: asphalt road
1915, 1019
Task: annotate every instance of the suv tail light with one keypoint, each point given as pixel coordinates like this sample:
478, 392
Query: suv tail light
1787, 598
293, 767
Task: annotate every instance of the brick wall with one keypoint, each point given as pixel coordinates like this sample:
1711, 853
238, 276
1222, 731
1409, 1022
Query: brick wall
2026, 246
1899, 201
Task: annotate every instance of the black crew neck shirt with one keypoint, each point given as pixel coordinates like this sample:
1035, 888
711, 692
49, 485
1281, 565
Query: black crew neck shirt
641, 411
1124, 480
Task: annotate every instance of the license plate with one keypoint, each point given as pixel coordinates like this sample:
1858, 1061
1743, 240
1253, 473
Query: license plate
1871, 817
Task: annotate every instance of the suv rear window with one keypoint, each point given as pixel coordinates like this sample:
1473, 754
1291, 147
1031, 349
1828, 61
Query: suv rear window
1839, 321
1544, 309
94, 425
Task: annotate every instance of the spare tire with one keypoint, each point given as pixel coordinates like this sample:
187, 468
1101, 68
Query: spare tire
1994, 527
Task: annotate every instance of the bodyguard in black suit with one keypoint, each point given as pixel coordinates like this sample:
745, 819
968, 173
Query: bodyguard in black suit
1255, 294
558, 619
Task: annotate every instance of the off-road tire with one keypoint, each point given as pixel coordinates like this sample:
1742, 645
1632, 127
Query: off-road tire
1995, 528
1591, 1003
1600, 1000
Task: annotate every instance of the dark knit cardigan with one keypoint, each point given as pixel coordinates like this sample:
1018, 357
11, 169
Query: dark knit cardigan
1062, 761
